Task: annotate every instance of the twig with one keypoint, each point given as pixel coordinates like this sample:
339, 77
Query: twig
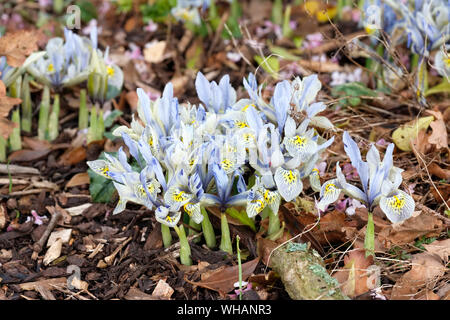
37, 248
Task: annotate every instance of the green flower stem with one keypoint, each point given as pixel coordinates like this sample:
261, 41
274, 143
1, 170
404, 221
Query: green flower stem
27, 112
369, 241
208, 230
239, 266
43, 114
100, 126
287, 31
53, 120
166, 235
192, 232
274, 222
185, 249
225, 241
83, 113
15, 88
14, 139
2, 149
58, 6
91, 136
277, 12
340, 5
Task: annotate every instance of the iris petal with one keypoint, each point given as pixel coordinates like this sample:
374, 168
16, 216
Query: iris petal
288, 183
397, 207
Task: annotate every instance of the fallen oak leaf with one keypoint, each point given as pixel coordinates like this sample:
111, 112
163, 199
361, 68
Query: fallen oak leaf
422, 223
6, 104
439, 135
439, 248
16, 46
426, 268
223, 280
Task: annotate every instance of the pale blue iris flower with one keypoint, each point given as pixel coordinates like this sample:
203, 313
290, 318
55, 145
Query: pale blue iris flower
422, 24
217, 98
192, 156
65, 63
380, 181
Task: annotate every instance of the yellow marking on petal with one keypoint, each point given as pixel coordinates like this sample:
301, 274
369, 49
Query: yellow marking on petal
191, 162
269, 197
248, 137
150, 141
315, 171
105, 171
299, 141
186, 208
169, 219
50, 68
110, 71
259, 205
370, 29
227, 164
329, 188
240, 124
179, 197
397, 203
248, 105
289, 177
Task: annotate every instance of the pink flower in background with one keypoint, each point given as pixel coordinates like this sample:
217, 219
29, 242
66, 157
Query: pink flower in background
353, 205
350, 171
341, 205
151, 26
104, 7
268, 27
321, 58
135, 53
321, 167
45, 3
411, 188
293, 24
313, 40
290, 70
245, 287
4, 18
381, 143
356, 15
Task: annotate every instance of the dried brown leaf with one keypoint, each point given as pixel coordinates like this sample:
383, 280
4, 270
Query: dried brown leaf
439, 248
354, 276
223, 280
28, 155
426, 268
16, 46
79, 179
73, 156
422, 224
439, 135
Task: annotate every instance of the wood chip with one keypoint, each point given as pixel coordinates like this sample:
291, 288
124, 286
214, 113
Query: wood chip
53, 252
162, 290
136, 294
15, 169
78, 210
63, 234
47, 283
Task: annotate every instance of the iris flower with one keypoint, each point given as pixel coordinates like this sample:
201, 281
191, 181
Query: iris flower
380, 181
